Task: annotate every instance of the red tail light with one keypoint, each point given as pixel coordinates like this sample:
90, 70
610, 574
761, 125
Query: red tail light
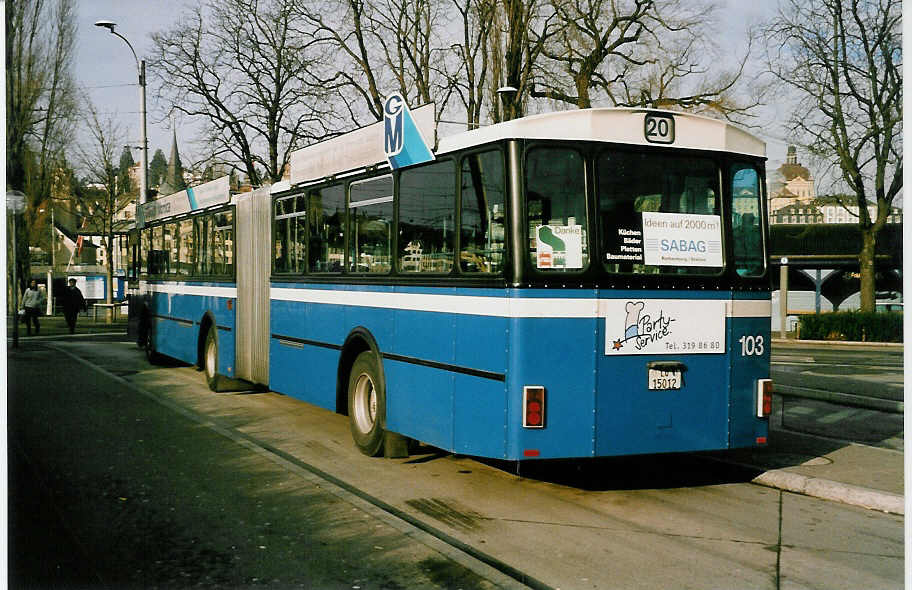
533, 406
764, 397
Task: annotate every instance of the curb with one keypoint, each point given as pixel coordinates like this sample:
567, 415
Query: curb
843, 399
834, 491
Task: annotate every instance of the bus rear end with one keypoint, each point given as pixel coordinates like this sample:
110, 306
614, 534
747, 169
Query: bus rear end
650, 372
652, 328
672, 376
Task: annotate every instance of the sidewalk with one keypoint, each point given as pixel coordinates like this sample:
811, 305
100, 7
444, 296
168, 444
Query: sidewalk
850, 473
56, 326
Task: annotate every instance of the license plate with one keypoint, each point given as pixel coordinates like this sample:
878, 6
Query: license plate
658, 379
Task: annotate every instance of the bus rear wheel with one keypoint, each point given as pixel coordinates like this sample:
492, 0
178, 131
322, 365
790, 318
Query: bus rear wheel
210, 360
367, 404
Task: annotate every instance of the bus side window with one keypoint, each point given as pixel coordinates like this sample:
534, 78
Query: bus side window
427, 218
223, 244
327, 223
204, 239
155, 254
218, 248
186, 248
297, 228
169, 248
290, 235
280, 257
144, 244
482, 213
370, 225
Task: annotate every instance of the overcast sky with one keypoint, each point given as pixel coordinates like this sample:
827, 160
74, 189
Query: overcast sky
105, 68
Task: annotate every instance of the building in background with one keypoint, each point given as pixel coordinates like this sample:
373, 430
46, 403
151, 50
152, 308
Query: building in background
791, 184
803, 223
793, 198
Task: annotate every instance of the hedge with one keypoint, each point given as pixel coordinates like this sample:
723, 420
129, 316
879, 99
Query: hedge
853, 326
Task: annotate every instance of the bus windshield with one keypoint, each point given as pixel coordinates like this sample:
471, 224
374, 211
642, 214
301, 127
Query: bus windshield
659, 214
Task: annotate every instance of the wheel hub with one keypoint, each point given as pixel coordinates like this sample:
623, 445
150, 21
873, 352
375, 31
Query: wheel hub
365, 404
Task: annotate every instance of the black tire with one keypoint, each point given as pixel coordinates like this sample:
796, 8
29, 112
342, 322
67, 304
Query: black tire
210, 360
149, 345
367, 404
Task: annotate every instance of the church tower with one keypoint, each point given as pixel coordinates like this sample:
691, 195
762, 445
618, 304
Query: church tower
174, 176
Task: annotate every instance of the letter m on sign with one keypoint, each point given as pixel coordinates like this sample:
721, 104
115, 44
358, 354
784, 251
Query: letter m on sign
402, 139
393, 118
392, 134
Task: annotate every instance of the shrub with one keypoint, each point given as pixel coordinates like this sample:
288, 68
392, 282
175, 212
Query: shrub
852, 326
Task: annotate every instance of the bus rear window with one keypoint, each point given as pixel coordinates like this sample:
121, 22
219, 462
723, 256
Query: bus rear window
659, 214
747, 236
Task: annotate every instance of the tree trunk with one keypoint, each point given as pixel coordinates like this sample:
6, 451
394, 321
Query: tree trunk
866, 262
582, 91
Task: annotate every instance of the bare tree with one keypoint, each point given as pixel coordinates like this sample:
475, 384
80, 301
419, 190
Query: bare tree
405, 32
469, 77
382, 45
243, 67
343, 28
524, 29
40, 104
843, 61
638, 53
98, 203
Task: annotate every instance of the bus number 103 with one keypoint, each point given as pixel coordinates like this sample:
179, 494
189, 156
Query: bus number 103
751, 345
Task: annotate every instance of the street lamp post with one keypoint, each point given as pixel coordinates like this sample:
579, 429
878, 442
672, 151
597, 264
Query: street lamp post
50, 275
15, 205
507, 94
144, 148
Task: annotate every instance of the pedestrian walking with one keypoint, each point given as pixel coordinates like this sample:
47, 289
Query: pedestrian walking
73, 302
33, 301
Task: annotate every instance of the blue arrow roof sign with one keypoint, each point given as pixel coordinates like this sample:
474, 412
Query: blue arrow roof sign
403, 142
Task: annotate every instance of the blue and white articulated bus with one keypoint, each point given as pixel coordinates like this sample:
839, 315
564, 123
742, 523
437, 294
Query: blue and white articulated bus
576, 284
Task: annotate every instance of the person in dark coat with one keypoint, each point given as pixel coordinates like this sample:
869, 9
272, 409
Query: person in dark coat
73, 302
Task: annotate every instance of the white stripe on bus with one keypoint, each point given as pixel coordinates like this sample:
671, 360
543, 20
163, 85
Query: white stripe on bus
201, 290
482, 306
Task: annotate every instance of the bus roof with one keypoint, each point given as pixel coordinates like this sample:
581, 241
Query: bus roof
614, 125
363, 147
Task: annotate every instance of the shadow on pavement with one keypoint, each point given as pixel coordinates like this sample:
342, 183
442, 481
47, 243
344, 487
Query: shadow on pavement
680, 470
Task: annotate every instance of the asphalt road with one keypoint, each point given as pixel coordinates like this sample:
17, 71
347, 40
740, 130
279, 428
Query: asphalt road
126, 475
110, 488
872, 372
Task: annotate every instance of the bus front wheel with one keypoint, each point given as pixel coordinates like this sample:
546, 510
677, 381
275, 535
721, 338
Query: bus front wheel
149, 345
367, 404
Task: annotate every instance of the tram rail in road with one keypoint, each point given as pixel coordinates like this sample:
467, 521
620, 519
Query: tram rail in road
843, 399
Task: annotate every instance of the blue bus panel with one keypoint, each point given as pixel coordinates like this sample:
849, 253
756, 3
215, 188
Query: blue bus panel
455, 362
178, 312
